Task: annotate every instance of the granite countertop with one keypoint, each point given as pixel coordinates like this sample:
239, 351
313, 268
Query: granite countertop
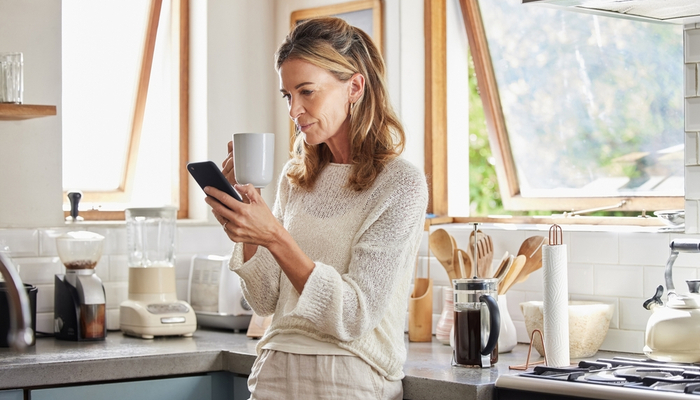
54, 362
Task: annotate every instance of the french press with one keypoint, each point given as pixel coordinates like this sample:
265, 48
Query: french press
477, 322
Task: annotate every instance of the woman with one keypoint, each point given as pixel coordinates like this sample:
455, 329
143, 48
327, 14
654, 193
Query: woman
333, 260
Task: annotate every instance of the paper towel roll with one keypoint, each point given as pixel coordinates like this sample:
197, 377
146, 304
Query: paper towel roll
555, 305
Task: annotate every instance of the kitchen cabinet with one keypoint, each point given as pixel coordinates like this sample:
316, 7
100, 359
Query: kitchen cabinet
12, 112
17, 394
214, 386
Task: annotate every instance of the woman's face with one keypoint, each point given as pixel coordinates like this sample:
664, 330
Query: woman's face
318, 102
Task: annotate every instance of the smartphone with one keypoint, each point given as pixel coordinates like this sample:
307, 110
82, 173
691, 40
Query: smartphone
206, 173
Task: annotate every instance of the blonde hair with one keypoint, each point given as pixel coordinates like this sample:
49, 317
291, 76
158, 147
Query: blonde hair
375, 132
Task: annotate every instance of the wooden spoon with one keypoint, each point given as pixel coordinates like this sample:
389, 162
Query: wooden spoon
501, 265
467, 264
532, 250
442, 245
502, 274
512, 274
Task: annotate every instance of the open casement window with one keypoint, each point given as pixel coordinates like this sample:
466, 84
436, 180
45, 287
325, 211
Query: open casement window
582, 111
125, 105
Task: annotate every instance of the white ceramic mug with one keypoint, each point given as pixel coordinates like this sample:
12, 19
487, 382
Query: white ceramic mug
253, 156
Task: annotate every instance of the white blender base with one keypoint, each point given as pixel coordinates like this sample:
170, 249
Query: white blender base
136, 320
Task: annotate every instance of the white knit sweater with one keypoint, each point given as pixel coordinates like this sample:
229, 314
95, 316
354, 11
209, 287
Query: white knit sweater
364, 246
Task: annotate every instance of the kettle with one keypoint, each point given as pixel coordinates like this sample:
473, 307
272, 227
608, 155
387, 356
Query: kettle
672, 329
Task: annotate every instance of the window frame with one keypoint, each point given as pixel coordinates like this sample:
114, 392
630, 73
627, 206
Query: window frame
497, 132
124, 191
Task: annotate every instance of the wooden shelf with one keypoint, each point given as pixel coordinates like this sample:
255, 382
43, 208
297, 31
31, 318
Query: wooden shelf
12, 112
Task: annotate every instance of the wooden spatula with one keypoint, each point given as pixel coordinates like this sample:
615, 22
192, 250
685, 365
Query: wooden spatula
532, 250
512, 274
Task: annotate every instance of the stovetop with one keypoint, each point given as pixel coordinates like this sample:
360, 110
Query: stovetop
613, 378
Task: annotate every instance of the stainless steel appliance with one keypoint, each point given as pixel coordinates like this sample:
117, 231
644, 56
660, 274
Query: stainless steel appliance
79, 297
606, 379
215, 294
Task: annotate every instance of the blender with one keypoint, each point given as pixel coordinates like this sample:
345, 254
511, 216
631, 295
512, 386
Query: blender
79, 297
152, 308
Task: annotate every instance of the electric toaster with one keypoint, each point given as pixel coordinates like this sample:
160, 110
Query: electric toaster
214, 292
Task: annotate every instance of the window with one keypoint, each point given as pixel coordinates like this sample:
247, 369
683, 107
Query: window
583, 111
125, 104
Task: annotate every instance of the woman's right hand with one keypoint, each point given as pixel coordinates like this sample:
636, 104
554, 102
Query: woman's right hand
227, 165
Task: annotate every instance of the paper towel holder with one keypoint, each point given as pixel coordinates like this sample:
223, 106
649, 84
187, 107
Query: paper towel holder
529, 351
555, 235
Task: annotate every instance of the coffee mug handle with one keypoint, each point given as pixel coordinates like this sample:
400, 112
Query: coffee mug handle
494, 323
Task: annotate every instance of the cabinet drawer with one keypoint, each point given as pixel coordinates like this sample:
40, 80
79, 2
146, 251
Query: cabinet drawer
185, 388
16, 394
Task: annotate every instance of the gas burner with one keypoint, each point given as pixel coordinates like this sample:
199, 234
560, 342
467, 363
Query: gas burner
615, 378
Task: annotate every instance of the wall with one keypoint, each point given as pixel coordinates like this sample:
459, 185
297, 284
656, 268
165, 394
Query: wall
30, 150
691, 42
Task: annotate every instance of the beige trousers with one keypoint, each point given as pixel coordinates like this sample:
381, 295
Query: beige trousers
279, 375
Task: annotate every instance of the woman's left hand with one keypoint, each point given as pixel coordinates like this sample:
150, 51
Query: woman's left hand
250, 222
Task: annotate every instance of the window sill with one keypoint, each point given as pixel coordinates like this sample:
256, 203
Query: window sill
575, 223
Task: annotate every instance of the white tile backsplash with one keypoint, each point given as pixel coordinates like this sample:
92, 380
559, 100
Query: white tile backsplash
691, 79
692, 114
624, 341
622, 268
20, 242
692, 45
581, 279
642, 248
38, 270
633, 316
594, 247
618, 280
692, 216
691, 148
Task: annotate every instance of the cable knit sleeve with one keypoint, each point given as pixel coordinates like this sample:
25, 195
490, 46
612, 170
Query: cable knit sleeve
347, 306
260, 276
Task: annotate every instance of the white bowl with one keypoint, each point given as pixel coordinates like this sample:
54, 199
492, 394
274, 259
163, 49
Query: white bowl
588, 324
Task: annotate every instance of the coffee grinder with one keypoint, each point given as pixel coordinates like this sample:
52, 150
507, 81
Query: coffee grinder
79, 297
153, 308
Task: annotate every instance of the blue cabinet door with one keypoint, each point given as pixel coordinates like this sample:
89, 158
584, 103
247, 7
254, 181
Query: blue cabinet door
229, 386
15, 394
186, 388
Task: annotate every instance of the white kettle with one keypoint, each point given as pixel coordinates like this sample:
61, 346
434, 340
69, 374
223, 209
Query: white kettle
672, 329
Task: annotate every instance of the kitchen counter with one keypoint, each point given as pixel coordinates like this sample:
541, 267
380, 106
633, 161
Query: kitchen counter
53, 362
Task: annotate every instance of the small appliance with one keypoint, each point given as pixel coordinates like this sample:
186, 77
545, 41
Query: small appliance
5, 313
672, 329
214, 291
79, 297
152, 308
477, 322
